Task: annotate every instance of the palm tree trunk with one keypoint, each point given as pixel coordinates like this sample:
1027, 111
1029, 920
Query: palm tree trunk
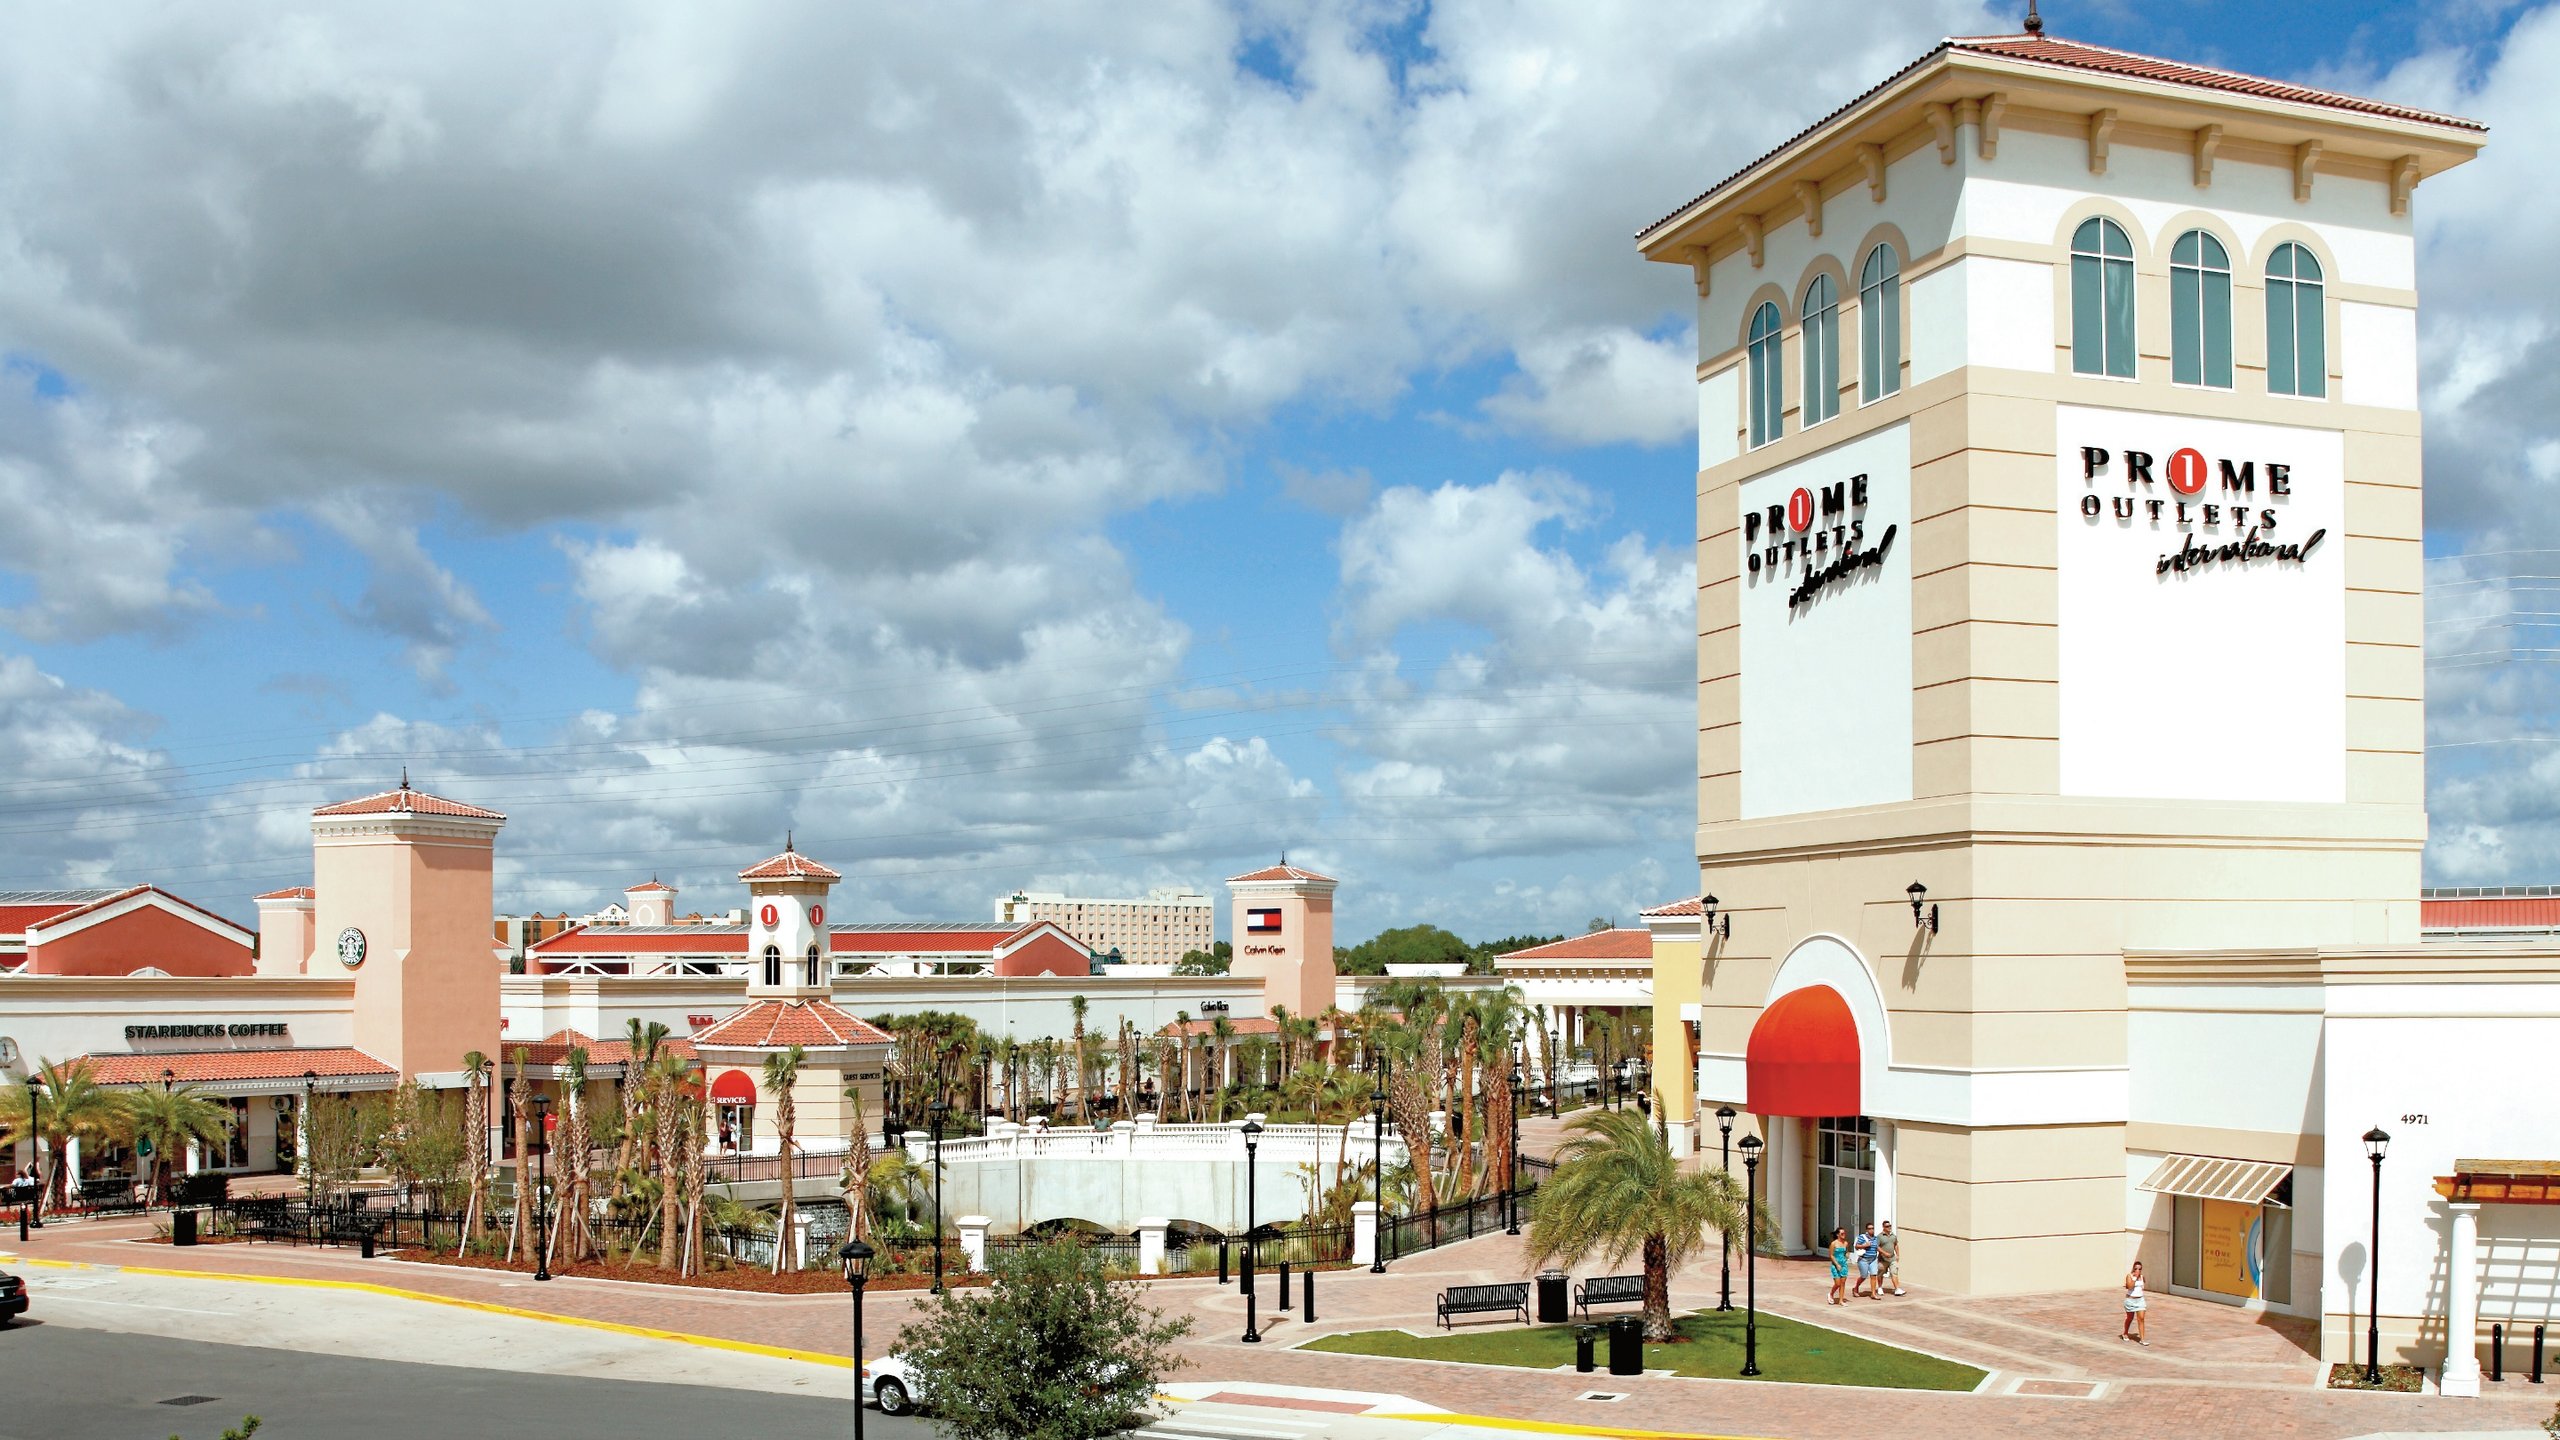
1657, 1288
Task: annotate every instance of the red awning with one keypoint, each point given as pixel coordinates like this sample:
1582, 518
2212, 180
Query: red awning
1803, 1058
733, 1088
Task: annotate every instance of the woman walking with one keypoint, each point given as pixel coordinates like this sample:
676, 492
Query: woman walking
1839, 1265
1869, 1282
2135, 1304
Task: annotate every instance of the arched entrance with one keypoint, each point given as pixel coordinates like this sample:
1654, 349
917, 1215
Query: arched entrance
733, 1107
1813, 1058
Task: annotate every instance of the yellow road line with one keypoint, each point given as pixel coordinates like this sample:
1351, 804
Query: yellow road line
713, 1342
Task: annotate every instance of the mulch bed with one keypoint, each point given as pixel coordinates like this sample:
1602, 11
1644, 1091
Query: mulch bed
764, 1282
2397, 1379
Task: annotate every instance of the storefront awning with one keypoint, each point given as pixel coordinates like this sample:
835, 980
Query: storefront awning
733, 1088
2502, 1182
1803, 1057
2212, 1177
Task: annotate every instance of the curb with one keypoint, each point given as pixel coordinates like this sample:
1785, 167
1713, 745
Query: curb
709, 1342
1550, 1427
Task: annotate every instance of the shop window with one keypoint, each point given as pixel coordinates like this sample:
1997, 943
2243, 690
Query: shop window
2231, 1251
2101, 299
773, 964
2200, 311
2297, 324
1879, 325
1768, 379
1821, 350
815, 967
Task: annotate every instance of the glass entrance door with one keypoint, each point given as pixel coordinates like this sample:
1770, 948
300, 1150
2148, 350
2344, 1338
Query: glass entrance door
1844, 1176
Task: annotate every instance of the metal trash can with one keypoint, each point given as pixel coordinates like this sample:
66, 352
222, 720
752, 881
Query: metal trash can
1552, 1297
1584, 1337
1626, 1346
182, 1227
364, 1248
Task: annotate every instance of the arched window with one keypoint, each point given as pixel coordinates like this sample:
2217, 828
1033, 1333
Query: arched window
2200, 311
773, 964
1880, 325
2297, 324
815, 977
1768, 381
2101, 299
1821, 350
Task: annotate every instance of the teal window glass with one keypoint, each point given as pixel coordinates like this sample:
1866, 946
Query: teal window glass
1768, 380
2297, 324
2200, 311
1879, 325
1821, 350
2102, 299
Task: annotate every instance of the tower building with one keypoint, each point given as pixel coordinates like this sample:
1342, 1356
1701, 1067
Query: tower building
2059, 598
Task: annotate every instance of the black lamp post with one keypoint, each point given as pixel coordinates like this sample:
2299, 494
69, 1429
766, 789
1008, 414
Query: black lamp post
1511, 1182
542, 1187
1724, 1129
1751, 1256
937, 1112
856, 1257
35, 1138
1252, 1141
2376, 1142
310, 1132
1378, 1166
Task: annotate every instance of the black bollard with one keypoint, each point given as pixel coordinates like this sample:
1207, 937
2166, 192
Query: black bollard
1583, 1338
2498, 1354
1307, 1294
2536, 1376
22, 1224
1284, 1285
1222, 1262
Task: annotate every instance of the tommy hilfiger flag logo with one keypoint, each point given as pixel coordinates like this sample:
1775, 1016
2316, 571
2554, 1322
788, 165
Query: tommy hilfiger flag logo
1262, 922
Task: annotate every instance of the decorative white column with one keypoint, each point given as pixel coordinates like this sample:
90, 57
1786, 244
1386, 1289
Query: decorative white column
1884, 1138
799, 1257
1364, 1232
1151, 1244
2461, 1374
71, 1167
973, 1241
1124, 1138
195, 1156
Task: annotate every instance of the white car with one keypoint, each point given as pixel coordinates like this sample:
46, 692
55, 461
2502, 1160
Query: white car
890, 1382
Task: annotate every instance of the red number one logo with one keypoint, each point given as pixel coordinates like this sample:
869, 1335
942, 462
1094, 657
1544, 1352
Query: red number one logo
2186, 471
1800, 510
772, 917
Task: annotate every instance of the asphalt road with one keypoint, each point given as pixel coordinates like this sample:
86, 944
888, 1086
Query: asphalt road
61, 1382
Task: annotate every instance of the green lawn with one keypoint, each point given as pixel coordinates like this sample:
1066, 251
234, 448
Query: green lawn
1789, 1350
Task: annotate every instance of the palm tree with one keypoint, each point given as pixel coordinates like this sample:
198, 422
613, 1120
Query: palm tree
1280, 1024
520, 1224
570, 1235
170, 1119
643, 1041
667, 1084
1084, 1102
72, 1105
475, 1145
1223, 1032
1618, 1190
781, 1072
857, 1170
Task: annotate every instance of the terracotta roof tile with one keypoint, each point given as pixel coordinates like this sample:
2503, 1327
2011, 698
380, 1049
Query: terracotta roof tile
789, 865
1598, 945
772, 1024
1279, 872
554, 1049
212, 1066
650, 886
405, 801
298, 892
1694, 905
1250, 1025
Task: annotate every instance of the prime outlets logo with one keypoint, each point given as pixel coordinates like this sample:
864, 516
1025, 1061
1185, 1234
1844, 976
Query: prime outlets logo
2225, 510
1817, 538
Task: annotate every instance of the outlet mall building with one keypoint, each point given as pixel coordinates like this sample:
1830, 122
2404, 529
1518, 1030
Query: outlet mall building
2061, 707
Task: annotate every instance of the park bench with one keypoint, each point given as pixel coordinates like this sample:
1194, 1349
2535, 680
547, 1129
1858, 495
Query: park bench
1608, 1290
108, 1199
1484, 1300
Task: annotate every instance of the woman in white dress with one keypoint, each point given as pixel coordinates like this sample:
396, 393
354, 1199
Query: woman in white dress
2136, 1304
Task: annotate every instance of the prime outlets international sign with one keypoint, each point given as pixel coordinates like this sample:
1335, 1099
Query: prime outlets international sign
2178, 540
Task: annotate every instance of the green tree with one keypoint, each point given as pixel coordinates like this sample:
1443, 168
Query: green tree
1617, 1191
781, 1074
1053, 1350
70, 1106
1410, 945
1218, 959
171, 1117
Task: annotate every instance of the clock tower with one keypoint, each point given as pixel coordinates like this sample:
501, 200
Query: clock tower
787, 950
401, 906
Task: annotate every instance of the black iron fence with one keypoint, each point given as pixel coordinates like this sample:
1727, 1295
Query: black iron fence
1402, 1235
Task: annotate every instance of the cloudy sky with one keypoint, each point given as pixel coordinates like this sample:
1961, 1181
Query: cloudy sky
1068, 446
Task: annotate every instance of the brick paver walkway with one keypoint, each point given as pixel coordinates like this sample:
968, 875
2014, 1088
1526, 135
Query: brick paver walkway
2210, 1371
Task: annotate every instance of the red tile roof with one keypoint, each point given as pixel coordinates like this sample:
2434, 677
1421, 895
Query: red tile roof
119, 898
1598, 945
14, 919
2499, 912
718, 940
554, 1050
650, 885
405, 801
298, 892
772, 1024
789, 865
1279, 872
209, 1066
2072, 54
1694, 905
1250, 1025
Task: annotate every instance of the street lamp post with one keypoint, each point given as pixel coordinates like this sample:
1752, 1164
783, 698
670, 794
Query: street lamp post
1511, 1182
35, 1138
1751, 1256
2376, 1141
1378, 1165
856, 1257
1252, 1141
937, 1113
310, 1170
542, 1187
1724, 1130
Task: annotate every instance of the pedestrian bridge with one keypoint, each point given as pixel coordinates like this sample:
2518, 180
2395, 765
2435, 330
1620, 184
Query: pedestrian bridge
1019, 1176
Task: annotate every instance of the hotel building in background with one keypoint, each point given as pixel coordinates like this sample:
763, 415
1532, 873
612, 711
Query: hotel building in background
2062, 705
1158, 928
